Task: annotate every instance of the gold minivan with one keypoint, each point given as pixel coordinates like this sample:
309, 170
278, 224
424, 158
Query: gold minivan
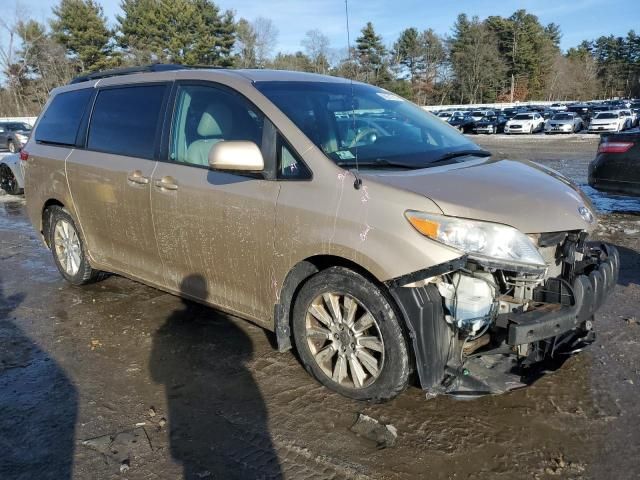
375, 238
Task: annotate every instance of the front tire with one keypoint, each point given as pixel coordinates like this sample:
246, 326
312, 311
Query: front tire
12, 146
349, 337
67, 247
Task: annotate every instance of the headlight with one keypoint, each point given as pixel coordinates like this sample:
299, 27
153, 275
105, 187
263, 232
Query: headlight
480, 240
21, 137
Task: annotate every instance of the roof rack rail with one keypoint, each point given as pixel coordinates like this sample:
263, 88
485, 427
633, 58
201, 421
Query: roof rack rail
155, 67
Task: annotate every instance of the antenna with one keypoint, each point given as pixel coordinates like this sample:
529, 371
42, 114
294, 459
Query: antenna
358, 181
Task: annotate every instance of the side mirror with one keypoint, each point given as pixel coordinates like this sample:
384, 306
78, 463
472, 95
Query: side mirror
236, 155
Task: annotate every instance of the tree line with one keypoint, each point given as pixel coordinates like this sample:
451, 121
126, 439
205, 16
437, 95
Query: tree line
481, 60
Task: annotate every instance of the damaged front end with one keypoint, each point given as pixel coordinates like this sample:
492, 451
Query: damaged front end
484, 328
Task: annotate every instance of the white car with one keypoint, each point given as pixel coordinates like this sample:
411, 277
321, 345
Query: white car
525, 123
448, 115
628, 114
564, 122
11, 174
610, 121
558, 107
478, 115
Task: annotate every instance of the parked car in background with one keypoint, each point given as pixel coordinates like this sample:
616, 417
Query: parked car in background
14, 135
565, 122
463, 122
560, 107
636, 116
377, 252
629, 117
490, 124
478, 114
610, 121
616, 168
446, 115
11, 174
525, 123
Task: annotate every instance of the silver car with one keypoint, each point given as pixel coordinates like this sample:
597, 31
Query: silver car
565, 122
11, 174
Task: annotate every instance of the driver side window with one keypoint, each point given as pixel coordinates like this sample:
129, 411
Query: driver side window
205, 116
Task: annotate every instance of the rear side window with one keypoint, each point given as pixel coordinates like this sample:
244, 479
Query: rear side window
60, 121
125, 120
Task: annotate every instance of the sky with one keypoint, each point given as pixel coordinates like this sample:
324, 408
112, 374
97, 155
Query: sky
578, 19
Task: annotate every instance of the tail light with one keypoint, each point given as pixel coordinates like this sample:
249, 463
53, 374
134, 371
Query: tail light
24, 155
614, 147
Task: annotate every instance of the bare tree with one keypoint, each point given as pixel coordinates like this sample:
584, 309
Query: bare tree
12, 69
316, 45
266, 37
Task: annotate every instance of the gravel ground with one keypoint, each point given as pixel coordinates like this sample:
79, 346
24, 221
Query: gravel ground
118, 380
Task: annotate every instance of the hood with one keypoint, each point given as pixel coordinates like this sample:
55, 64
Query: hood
521, 194
604, 121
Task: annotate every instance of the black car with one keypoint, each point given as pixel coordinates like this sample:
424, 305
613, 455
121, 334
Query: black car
491, 124
14, 135
464, 123
616, 168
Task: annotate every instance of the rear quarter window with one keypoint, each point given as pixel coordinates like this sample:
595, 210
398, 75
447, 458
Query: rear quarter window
60, 121
125, 120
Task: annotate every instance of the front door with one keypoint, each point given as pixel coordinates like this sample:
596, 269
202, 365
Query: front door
110, 180
215, 230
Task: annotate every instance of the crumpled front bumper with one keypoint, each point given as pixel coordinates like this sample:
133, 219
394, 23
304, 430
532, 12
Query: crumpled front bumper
588, 293
560, 323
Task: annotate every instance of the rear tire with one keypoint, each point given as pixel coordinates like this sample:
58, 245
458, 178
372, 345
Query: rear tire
67, 247
371, 363
8, 181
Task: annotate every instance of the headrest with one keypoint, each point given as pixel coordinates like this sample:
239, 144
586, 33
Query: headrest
216, 121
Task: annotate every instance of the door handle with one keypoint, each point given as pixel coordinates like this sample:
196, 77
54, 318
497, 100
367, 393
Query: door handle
166, 183
137, 177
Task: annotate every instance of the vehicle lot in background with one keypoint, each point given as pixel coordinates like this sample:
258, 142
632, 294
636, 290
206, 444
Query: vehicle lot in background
122, 345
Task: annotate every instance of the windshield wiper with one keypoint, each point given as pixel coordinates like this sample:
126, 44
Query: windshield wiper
378, 162
460, 153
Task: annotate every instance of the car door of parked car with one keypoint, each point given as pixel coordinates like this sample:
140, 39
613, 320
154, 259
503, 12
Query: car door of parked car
110, 179
215, 225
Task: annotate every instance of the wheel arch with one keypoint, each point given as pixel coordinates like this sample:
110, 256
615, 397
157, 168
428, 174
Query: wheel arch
44, 225
295, 279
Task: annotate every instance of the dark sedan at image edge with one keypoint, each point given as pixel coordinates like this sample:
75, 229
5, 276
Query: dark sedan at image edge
616, 168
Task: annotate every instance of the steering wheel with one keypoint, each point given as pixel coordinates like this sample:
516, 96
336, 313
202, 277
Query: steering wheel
361, 134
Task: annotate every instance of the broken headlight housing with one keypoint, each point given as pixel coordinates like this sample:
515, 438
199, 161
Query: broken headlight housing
480, 240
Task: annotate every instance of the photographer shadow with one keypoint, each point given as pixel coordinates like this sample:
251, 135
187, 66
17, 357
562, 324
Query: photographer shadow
217, 419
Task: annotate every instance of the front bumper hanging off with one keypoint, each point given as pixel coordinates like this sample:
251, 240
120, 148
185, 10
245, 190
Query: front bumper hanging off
524, 343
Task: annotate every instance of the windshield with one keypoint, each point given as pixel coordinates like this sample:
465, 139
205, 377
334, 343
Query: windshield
361, 121
523, 116
16, 126
607, 115
562, 116
444, 114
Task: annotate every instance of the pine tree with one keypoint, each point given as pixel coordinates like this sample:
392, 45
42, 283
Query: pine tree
371, 55
192, 32
81, 27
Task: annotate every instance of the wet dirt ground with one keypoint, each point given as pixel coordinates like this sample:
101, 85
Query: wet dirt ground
118, 380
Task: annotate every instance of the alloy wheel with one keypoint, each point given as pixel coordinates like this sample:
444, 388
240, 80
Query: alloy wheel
345, 340
67, 247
